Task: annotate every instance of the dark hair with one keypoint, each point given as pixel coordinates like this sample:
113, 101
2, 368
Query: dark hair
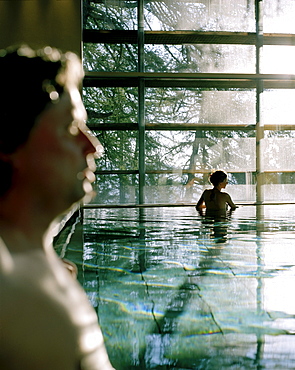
217, 177
29, 81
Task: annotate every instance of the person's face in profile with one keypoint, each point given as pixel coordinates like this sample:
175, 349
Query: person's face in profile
223, 184
57, 161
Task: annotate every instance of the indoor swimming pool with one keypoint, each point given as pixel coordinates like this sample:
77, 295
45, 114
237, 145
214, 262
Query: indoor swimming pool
174, 290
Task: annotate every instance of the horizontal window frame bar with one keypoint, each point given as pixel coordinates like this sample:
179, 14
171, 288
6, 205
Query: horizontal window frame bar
174, 83
189, 80
189, 84
180, 171
157, 205
184, 37
192, 76
188, 127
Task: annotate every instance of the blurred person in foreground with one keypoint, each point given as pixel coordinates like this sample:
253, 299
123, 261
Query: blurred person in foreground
214, 201
46, 164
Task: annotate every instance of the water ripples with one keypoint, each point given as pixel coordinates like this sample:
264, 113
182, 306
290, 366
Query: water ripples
174, 289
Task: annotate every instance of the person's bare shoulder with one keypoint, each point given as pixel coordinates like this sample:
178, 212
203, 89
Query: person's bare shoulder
229, 201
33, 320
46, 310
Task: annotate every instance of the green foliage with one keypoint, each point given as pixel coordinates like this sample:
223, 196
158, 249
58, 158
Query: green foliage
167, 149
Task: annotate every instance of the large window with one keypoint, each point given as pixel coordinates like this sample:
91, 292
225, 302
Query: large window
175, 89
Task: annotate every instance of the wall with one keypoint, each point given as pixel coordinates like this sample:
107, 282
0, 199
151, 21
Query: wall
41, 22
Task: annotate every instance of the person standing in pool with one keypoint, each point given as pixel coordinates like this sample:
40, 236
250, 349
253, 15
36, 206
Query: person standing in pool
46, 165
214, 200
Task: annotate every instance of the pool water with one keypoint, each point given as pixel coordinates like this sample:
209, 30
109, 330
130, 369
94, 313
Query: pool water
174, 290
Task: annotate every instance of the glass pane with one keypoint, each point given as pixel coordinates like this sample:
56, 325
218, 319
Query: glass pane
200, 150
279, 192
279, 16
120, 150
228, 107
202, 15
110, 105
168, 188
280, 186
185, 106
110, 15
278, 150
174, 188
200, 58
112, 189
279, 155
277, 107
278, 59
109, 57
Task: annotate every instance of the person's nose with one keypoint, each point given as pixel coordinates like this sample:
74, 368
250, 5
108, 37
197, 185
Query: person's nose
91, 145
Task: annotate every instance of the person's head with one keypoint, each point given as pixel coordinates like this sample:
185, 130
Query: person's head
42, 126
218, 177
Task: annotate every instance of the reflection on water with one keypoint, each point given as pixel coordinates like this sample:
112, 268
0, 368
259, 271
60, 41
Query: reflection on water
174, 290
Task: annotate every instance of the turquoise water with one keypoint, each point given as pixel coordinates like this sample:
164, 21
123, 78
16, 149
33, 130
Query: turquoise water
176, 291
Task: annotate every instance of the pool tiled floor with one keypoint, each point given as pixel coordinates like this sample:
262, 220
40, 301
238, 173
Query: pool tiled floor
175, 291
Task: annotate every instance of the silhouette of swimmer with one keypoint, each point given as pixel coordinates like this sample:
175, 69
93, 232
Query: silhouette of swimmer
215, 202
